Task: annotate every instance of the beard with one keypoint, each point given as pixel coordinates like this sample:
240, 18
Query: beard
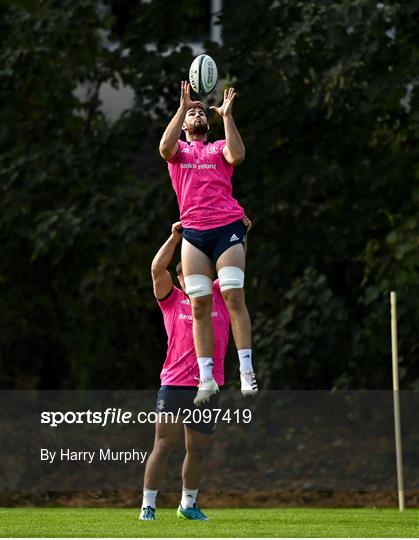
199, 128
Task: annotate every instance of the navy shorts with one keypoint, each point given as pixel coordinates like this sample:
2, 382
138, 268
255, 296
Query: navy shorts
213, 242
179, 400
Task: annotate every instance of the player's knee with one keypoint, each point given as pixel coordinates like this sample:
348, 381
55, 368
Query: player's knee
201, 308
230, 278
196, 452
164, 447
198, 285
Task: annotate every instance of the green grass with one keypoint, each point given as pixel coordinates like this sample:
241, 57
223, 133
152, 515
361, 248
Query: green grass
276, 522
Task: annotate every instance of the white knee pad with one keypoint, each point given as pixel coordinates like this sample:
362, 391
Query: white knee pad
198, 285
231, 277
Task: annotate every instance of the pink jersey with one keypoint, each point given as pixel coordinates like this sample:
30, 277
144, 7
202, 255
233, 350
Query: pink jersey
181, 367
201, 178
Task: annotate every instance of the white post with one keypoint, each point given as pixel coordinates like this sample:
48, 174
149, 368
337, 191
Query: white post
216, 29
396, 401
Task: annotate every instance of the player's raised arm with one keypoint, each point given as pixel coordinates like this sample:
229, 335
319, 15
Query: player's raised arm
234, 150
162, 280
169, 141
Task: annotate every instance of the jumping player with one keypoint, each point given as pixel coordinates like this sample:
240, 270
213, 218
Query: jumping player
178, 378
213, 231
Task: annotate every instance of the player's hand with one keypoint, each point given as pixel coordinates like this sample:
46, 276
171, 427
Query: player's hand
247, 223
227, 105
177, 230
186, 102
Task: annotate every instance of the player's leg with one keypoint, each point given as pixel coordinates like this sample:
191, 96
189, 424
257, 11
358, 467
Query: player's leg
196, 444
233, 294
196, 268
193, 466
197, 272
230, 268
198, 436
166, 436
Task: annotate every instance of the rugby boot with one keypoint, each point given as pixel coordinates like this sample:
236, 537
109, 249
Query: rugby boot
206, 389
147, 514
191, 513
249, 386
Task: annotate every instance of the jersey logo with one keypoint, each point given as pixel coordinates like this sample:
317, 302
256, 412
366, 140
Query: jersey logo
184, 316
185, 150
212, 149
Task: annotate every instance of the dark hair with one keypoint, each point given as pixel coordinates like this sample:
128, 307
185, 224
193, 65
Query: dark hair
179, 268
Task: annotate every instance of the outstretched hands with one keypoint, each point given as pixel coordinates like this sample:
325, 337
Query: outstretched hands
186, 102
226, 108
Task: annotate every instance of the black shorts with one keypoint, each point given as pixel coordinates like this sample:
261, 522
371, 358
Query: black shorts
213, 242
176, 399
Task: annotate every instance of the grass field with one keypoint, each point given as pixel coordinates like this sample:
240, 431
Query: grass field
287, 522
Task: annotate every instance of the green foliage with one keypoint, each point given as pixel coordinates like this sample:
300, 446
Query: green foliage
327, 108
306, 339
73, 226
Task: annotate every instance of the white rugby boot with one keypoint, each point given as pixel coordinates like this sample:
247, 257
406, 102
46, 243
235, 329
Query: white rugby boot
147, 514
206, 389
249, 386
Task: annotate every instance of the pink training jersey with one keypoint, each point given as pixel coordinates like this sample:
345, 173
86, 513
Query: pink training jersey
181, 367
201, 178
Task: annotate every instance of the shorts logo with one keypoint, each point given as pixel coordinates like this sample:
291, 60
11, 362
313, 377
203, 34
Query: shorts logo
234, 238
160, 404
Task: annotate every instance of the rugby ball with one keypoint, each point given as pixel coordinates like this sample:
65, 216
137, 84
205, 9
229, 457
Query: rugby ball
203, 75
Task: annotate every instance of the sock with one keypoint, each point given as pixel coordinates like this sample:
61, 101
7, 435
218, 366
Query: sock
188, 497
245, 359
149, 498
205, 368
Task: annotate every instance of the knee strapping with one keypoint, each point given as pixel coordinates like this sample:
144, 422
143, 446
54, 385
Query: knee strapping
198, 285
231, 277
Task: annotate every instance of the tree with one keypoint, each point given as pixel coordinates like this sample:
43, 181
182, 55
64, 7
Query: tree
327, 109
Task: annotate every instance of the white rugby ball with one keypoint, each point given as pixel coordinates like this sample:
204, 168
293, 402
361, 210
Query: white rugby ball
203, 75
